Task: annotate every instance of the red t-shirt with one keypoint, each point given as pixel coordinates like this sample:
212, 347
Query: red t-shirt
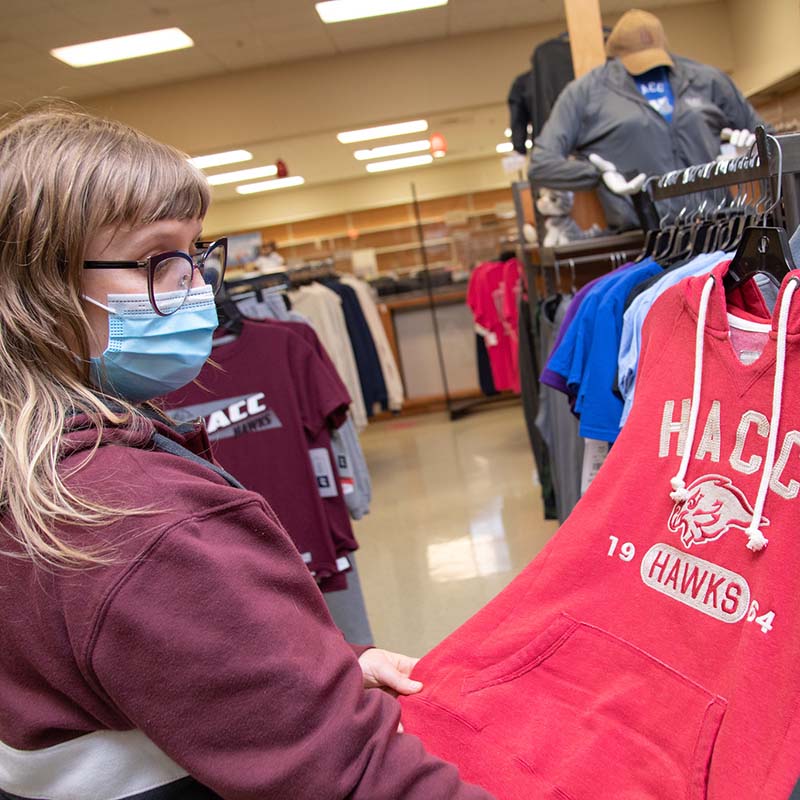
512, 288
485, 299
270, 395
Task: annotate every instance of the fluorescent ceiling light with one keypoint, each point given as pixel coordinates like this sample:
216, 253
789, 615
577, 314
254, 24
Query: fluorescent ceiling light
265, 186
393, 150
344, 10
399, 163
504, 147
382, 131
121, 48
221, 159
507, 133
243, 175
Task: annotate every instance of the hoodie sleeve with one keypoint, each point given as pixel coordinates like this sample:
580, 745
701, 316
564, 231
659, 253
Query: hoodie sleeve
551, 166
217, 645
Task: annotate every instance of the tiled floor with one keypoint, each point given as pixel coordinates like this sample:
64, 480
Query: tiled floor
455, 516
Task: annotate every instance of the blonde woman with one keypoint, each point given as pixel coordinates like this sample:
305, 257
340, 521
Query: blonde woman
160, 636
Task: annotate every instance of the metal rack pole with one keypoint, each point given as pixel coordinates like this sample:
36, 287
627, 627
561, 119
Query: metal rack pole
429, 288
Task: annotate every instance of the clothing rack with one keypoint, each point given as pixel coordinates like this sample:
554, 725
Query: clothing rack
256, 284
311, 271
762, 166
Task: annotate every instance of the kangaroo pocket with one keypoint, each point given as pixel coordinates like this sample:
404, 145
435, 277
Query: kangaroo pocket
596, 716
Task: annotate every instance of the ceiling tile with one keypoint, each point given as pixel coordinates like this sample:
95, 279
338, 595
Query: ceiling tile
281, 15
408, 27
20, 8
15, 52
44, 31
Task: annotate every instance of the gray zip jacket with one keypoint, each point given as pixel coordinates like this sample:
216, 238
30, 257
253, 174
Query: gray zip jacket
603, 112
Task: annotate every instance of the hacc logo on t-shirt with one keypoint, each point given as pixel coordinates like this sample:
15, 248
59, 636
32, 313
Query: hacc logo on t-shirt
231, 417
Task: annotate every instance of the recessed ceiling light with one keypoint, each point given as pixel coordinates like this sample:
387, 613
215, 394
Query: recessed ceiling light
399, 163
383, 131
221, 159
343, 10
266, 186
504, 147
242, 175
529, 143
121, 48
393, 150
507, 133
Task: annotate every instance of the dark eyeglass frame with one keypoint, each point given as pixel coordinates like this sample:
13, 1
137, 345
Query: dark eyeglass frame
151, 264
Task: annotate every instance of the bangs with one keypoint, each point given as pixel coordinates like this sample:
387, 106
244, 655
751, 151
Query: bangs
147, 181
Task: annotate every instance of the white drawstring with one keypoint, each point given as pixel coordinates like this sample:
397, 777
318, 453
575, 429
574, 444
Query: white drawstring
755, 539
679, 492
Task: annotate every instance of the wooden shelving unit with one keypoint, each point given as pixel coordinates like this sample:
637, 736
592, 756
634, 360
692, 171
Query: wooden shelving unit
391, 231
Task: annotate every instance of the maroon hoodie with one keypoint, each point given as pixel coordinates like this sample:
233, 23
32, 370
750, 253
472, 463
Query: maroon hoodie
201, 663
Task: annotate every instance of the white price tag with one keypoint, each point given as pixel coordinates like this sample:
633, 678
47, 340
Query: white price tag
323, 470
594, 454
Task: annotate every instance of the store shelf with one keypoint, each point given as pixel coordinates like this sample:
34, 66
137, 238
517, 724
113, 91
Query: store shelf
442, 295
285, 243
400, 248
786, 83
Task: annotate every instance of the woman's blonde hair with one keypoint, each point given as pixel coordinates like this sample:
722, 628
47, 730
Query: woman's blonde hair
64, 175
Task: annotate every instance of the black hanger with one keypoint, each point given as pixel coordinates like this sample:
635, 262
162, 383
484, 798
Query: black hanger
700, 236
231, 319
763, 250
665, 242
649, 245
681, 245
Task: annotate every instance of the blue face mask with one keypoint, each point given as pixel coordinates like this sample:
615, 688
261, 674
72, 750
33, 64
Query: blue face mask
148, 355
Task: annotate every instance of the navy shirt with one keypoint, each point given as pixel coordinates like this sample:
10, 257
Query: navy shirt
370, 375
657, 90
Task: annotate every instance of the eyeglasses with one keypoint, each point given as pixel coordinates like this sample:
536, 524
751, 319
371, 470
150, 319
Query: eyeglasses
170, 275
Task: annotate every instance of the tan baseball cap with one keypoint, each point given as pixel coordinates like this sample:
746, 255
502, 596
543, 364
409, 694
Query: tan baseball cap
639, 42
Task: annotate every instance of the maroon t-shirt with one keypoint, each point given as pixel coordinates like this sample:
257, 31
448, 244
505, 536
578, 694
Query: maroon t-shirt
328, 480
268, 397
332, 496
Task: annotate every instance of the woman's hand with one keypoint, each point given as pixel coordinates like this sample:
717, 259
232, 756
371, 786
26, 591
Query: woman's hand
389, 671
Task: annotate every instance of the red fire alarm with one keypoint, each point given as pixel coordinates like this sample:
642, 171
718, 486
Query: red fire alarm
283, 170
438, 145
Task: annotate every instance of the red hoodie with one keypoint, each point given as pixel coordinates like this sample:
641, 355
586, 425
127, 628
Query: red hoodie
202, 663
652, 650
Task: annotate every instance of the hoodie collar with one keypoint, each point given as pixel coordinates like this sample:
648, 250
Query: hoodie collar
81, 434
746, 298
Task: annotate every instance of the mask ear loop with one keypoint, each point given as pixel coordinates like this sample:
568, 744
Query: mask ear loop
98, 304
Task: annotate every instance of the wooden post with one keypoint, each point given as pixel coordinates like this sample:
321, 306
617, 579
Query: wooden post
585, 28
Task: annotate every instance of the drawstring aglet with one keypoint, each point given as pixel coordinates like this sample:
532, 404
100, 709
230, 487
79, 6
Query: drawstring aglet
755, 539
680, 493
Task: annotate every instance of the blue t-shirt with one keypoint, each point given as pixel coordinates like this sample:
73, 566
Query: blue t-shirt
598, 405
634, 317
657, 90
569, 359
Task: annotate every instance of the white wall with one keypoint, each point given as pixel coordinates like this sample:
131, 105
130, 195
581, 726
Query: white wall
766, 41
